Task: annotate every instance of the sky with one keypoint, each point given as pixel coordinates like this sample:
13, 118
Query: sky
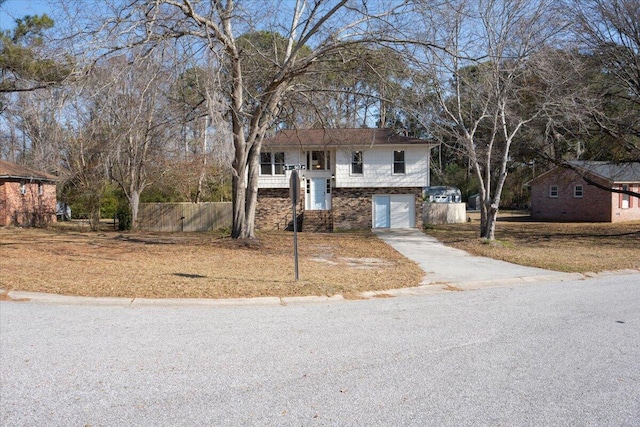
12, 9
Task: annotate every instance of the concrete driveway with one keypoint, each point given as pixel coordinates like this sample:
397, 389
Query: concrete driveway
449, 266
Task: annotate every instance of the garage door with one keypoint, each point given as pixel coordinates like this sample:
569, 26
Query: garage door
394, 211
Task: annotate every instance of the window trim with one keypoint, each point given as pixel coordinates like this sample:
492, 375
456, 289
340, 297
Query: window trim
397, 163
273, 166
327, 160
355, 163
578, 191
276, 164
553, 192
625, 197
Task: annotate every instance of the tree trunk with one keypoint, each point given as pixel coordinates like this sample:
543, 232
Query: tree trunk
134, 203
94, 211
239, 196
489, 232
484, 216
252, 192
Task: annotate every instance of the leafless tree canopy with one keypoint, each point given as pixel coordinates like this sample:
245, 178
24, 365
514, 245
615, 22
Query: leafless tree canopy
174, 97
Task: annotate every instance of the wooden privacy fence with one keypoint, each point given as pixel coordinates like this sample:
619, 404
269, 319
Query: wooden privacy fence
184, 216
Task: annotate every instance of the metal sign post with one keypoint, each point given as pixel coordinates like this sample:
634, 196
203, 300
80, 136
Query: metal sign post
294, 192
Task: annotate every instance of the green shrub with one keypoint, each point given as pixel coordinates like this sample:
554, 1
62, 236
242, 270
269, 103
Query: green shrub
123, 215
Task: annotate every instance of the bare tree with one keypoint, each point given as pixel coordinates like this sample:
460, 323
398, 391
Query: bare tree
203, 150
609, 30
131, 116
478, 78
312, 30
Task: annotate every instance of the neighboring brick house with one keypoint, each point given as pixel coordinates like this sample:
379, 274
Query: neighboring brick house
352, 179
27, 197
565, 194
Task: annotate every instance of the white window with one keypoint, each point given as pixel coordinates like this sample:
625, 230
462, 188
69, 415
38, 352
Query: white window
398, 162
319, 160
624, 200
356, 163
272, 163
23, 188
553, 191
278, 163
578, 191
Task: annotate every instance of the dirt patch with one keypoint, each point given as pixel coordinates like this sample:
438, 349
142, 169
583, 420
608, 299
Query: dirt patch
198, 265
452, 288
4, 296
383, 296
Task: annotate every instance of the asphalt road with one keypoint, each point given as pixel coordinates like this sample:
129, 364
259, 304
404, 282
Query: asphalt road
527, 355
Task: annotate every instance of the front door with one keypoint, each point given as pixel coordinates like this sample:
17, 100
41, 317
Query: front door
318, 194
382, 211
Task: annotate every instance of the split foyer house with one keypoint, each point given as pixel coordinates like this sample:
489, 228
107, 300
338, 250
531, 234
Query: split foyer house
568, 194
27, 196
350, 179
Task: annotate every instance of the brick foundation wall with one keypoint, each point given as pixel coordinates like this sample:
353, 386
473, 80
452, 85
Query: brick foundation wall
30, 209
352, 206
273, 211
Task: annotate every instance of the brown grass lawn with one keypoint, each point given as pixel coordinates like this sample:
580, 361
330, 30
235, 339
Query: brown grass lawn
570, 247
72, 261
197, 265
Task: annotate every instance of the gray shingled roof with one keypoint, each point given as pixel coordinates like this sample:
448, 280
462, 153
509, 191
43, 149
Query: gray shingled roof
623, 172
340, 137
10, 170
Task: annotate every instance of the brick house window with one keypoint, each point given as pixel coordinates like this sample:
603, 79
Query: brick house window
398, 162
624, 199
553, 191
23, 188
272, 163
578, 191
356, 163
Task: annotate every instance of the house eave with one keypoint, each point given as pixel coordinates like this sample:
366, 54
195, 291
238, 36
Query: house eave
342, 146
28, 178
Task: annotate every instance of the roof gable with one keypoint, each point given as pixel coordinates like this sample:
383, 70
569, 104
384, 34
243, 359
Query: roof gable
340, 137
15, 171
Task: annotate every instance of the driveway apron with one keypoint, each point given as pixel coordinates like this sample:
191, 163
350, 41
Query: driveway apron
450, 266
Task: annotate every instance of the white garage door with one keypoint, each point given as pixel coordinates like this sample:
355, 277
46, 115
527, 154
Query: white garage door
394, 211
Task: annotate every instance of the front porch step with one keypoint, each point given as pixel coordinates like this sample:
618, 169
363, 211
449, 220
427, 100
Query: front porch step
317, 221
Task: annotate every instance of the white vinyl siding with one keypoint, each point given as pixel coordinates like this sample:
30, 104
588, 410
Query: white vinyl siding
378, 168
